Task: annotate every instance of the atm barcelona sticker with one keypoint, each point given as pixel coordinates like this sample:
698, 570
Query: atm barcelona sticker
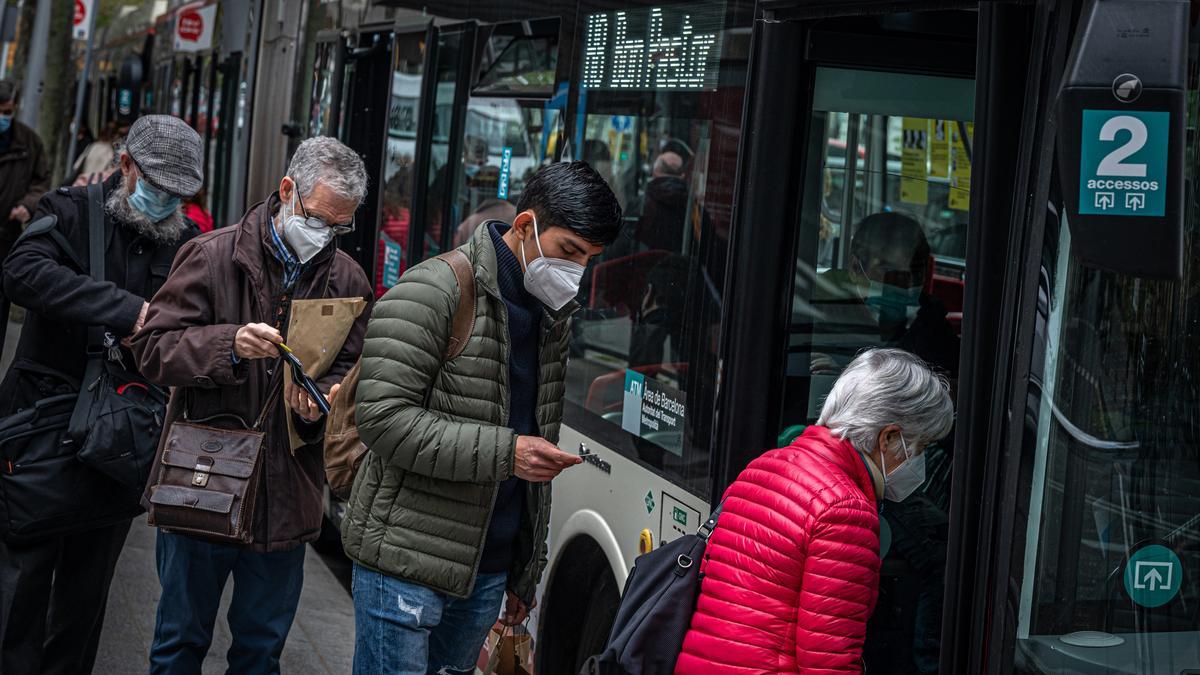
653, 411
1123, 163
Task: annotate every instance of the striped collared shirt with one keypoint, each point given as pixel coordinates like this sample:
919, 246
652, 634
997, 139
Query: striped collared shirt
292, 267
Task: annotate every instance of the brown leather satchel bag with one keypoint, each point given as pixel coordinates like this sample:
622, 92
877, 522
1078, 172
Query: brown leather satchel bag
344, 451
208, 478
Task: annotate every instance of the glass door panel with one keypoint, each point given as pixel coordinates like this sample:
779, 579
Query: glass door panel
880, 261
399, 168
1109, 573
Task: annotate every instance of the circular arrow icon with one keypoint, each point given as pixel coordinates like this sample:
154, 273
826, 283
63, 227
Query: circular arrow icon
1127, 87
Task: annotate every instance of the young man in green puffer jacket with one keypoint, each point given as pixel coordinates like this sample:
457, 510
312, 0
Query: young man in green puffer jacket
450, 510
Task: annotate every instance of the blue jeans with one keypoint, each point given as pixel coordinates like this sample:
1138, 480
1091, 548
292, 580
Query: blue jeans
405, 629
266, 592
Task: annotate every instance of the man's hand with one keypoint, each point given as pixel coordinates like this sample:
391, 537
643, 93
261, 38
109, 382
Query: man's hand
299, 400
515, 611
19, 214
538, 460
256, 341
137, 325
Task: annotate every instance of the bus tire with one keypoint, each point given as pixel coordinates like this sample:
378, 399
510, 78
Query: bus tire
580, 603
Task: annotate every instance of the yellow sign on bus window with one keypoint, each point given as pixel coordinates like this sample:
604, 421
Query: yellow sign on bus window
939, 148
960, 176
914, 188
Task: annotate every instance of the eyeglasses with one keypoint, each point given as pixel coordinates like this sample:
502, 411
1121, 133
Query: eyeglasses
339, 229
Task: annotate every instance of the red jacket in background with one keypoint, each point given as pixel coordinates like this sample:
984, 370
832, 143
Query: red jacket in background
792, 571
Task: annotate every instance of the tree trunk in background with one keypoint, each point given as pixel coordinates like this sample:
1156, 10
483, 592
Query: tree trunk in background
58, 97
21, 47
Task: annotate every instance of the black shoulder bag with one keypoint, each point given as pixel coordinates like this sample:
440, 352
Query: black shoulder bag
118, 418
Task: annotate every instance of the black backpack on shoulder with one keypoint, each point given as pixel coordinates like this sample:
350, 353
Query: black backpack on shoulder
656, 608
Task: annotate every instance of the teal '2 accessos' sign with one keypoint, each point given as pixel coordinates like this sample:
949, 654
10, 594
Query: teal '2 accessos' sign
1123, 162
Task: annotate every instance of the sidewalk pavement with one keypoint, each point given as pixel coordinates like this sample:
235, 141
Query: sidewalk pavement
321, 641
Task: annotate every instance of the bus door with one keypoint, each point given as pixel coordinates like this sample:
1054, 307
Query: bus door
366, 83
397, 178
861, 206
491, 126
1103, 571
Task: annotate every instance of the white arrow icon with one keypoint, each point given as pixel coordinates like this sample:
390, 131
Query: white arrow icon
1105, 200
1135, 201
1148, 575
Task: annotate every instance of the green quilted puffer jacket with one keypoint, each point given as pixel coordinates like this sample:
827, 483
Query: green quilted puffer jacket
437, 432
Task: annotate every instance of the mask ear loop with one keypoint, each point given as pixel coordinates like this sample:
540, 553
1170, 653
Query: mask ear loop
536, 240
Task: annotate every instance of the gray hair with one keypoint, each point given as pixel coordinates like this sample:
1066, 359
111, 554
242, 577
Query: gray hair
882, 387
323, 159
8, 91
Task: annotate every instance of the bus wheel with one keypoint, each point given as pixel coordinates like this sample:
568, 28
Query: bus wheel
597, 623
580, 604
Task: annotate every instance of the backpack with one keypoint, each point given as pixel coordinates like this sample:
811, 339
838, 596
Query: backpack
656, 608
344, 451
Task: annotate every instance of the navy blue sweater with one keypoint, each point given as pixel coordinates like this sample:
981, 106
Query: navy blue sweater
524, 322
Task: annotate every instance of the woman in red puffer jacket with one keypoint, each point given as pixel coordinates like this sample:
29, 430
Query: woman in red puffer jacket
791, 573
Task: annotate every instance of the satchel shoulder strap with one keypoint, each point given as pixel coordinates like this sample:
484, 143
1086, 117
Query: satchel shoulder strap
95, 209
463, 322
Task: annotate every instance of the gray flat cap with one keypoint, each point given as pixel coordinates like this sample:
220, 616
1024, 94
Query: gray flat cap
168, 152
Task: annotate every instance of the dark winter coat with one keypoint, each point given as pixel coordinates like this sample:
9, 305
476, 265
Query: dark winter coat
24, 178
54, 285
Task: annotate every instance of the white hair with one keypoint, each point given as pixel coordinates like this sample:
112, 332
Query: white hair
882, 387
323, 159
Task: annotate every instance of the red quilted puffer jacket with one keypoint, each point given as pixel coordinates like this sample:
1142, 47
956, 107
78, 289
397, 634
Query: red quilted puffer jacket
792, 571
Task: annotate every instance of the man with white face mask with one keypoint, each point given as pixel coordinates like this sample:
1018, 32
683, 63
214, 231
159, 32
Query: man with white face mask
451, 507
213, 333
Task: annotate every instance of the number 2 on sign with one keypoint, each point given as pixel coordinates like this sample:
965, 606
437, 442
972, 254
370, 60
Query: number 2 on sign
1112, 164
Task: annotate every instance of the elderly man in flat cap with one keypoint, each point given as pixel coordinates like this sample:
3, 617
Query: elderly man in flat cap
53, 592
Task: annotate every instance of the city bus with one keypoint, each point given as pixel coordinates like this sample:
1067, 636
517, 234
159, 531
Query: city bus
706, 335
1044, 216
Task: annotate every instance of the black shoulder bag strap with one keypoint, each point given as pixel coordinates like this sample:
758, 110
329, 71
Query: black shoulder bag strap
96, 347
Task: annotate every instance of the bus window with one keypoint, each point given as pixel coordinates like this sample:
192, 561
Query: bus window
399, 169
641, 378
1109, 573
320, 117
502, 148
879, 262
441, 178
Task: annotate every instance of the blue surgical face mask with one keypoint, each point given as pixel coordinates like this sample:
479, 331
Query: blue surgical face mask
156, 204
5, 123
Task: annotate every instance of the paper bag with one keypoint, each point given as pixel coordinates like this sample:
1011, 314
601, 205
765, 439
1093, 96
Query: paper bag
316, 332
508, 651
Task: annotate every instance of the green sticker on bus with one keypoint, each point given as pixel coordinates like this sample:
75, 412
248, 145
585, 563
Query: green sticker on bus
679, 516
1153, 576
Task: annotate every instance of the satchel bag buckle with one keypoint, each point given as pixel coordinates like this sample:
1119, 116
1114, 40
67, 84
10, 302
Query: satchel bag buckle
200, 477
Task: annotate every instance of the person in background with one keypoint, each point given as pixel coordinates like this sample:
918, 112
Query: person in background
489, 209
212, 333
194, 209
451, 507
53, 592
24, 170
791, 573
97, 161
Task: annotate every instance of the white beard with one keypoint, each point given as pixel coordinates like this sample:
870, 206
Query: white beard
166, 231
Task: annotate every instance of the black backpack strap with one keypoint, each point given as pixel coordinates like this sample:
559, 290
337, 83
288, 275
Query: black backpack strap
78, 425
709, 525
96, 240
